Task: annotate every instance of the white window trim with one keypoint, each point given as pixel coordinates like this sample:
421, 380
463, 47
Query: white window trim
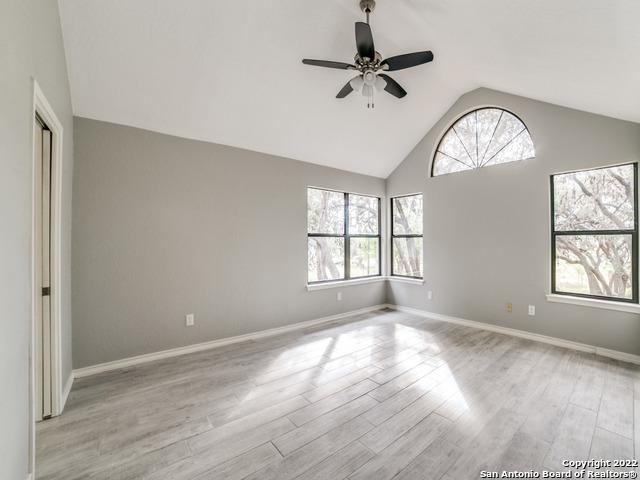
595, 303
361, 281
400, 279
344, 283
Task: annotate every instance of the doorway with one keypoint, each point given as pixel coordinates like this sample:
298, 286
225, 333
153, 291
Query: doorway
47, 394
42, 359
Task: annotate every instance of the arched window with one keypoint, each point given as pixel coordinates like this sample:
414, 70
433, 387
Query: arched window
481, 138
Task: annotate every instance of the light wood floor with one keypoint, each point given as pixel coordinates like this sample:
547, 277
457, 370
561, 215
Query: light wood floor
385, 395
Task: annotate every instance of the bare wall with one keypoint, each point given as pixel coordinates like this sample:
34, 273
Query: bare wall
165, 226
487, 232
30, 47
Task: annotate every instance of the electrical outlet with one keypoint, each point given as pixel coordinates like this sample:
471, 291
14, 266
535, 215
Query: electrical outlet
430, 295
532, 310
509, 307
339, 296
190, 320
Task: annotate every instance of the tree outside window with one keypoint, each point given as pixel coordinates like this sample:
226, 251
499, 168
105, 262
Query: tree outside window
406, 236
594, 233
343, 235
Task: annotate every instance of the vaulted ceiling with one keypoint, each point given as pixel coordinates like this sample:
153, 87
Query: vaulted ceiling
229, 71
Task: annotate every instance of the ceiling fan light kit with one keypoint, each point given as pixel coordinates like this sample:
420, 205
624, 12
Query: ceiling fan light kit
370, 63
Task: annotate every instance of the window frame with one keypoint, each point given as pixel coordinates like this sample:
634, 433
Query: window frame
633, 232
409, 235
347, 238
460, 117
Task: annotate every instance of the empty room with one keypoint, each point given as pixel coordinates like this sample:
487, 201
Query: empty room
341, 240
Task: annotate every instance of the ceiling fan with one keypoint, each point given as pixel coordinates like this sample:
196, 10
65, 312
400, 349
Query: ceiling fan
369, 63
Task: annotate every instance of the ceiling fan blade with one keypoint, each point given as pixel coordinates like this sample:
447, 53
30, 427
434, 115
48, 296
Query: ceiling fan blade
364, 41
392, 86
346, 90
328, 64
407, 60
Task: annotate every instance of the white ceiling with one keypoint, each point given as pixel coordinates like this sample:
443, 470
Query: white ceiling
229, 71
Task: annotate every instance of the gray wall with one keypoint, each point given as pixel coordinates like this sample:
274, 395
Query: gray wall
164, 226
30, 46
487, 232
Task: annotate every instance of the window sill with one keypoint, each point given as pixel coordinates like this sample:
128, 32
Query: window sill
412, 281
362, 281
344, 283
595, 303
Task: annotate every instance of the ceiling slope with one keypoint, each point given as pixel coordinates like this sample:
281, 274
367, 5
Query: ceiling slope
230, 71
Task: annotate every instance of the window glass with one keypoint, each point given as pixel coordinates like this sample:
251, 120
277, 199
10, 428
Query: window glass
334, 253
600, 199
406, 241
325, 211
363, 215
594, 265
594, 233
407, 215
364, 252
326, 258
484, 137
407, 256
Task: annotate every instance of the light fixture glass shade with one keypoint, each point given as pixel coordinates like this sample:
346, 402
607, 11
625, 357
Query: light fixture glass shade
356, 82
380, 83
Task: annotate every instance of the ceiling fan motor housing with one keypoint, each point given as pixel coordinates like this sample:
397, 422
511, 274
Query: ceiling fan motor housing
363, 64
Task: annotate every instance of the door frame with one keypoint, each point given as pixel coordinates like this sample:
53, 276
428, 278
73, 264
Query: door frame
43, 109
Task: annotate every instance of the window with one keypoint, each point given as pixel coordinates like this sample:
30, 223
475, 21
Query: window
343, 235
594, 233
406, 236
484, 137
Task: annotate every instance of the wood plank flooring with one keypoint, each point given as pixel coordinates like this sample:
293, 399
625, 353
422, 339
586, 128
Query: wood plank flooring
385, 395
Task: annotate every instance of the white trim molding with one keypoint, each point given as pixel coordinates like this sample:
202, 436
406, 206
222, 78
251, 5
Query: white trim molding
43, 108
408, 280
66, 391
362, 281
344, 283
198, 347
595, 303
536, 337
174, 352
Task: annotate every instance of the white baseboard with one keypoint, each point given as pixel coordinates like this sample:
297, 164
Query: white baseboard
174, 352
198, 347
65, 391
559, 342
